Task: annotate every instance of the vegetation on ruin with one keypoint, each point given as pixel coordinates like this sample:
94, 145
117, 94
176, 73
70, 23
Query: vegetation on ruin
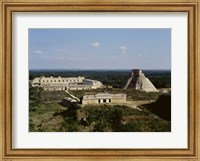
48, 115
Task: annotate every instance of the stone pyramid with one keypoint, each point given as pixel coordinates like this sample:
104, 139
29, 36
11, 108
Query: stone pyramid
138, 81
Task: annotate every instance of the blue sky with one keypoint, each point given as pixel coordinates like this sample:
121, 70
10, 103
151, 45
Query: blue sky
99, 48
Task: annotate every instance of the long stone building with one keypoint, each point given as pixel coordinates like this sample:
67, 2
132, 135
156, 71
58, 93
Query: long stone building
69, 83
103, 98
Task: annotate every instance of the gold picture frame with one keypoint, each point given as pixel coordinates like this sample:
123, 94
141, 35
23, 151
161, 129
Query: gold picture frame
8, 7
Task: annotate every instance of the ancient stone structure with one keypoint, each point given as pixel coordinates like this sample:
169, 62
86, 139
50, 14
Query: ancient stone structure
70, 83
140, 82
103, 98
67, 100
93, 83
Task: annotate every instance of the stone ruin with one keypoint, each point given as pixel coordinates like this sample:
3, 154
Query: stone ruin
138, 81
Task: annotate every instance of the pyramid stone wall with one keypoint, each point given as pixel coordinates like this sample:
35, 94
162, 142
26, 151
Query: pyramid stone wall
140, 82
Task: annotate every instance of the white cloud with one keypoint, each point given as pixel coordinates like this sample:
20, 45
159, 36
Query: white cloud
53, 57
123, 49
95, 44
140, 55
38, 52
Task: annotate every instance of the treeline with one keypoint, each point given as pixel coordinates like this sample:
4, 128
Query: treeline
114, 78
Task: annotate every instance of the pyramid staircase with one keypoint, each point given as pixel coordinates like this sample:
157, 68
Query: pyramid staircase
140, 82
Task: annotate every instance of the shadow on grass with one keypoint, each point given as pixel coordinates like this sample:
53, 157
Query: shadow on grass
71, 110
162, 107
